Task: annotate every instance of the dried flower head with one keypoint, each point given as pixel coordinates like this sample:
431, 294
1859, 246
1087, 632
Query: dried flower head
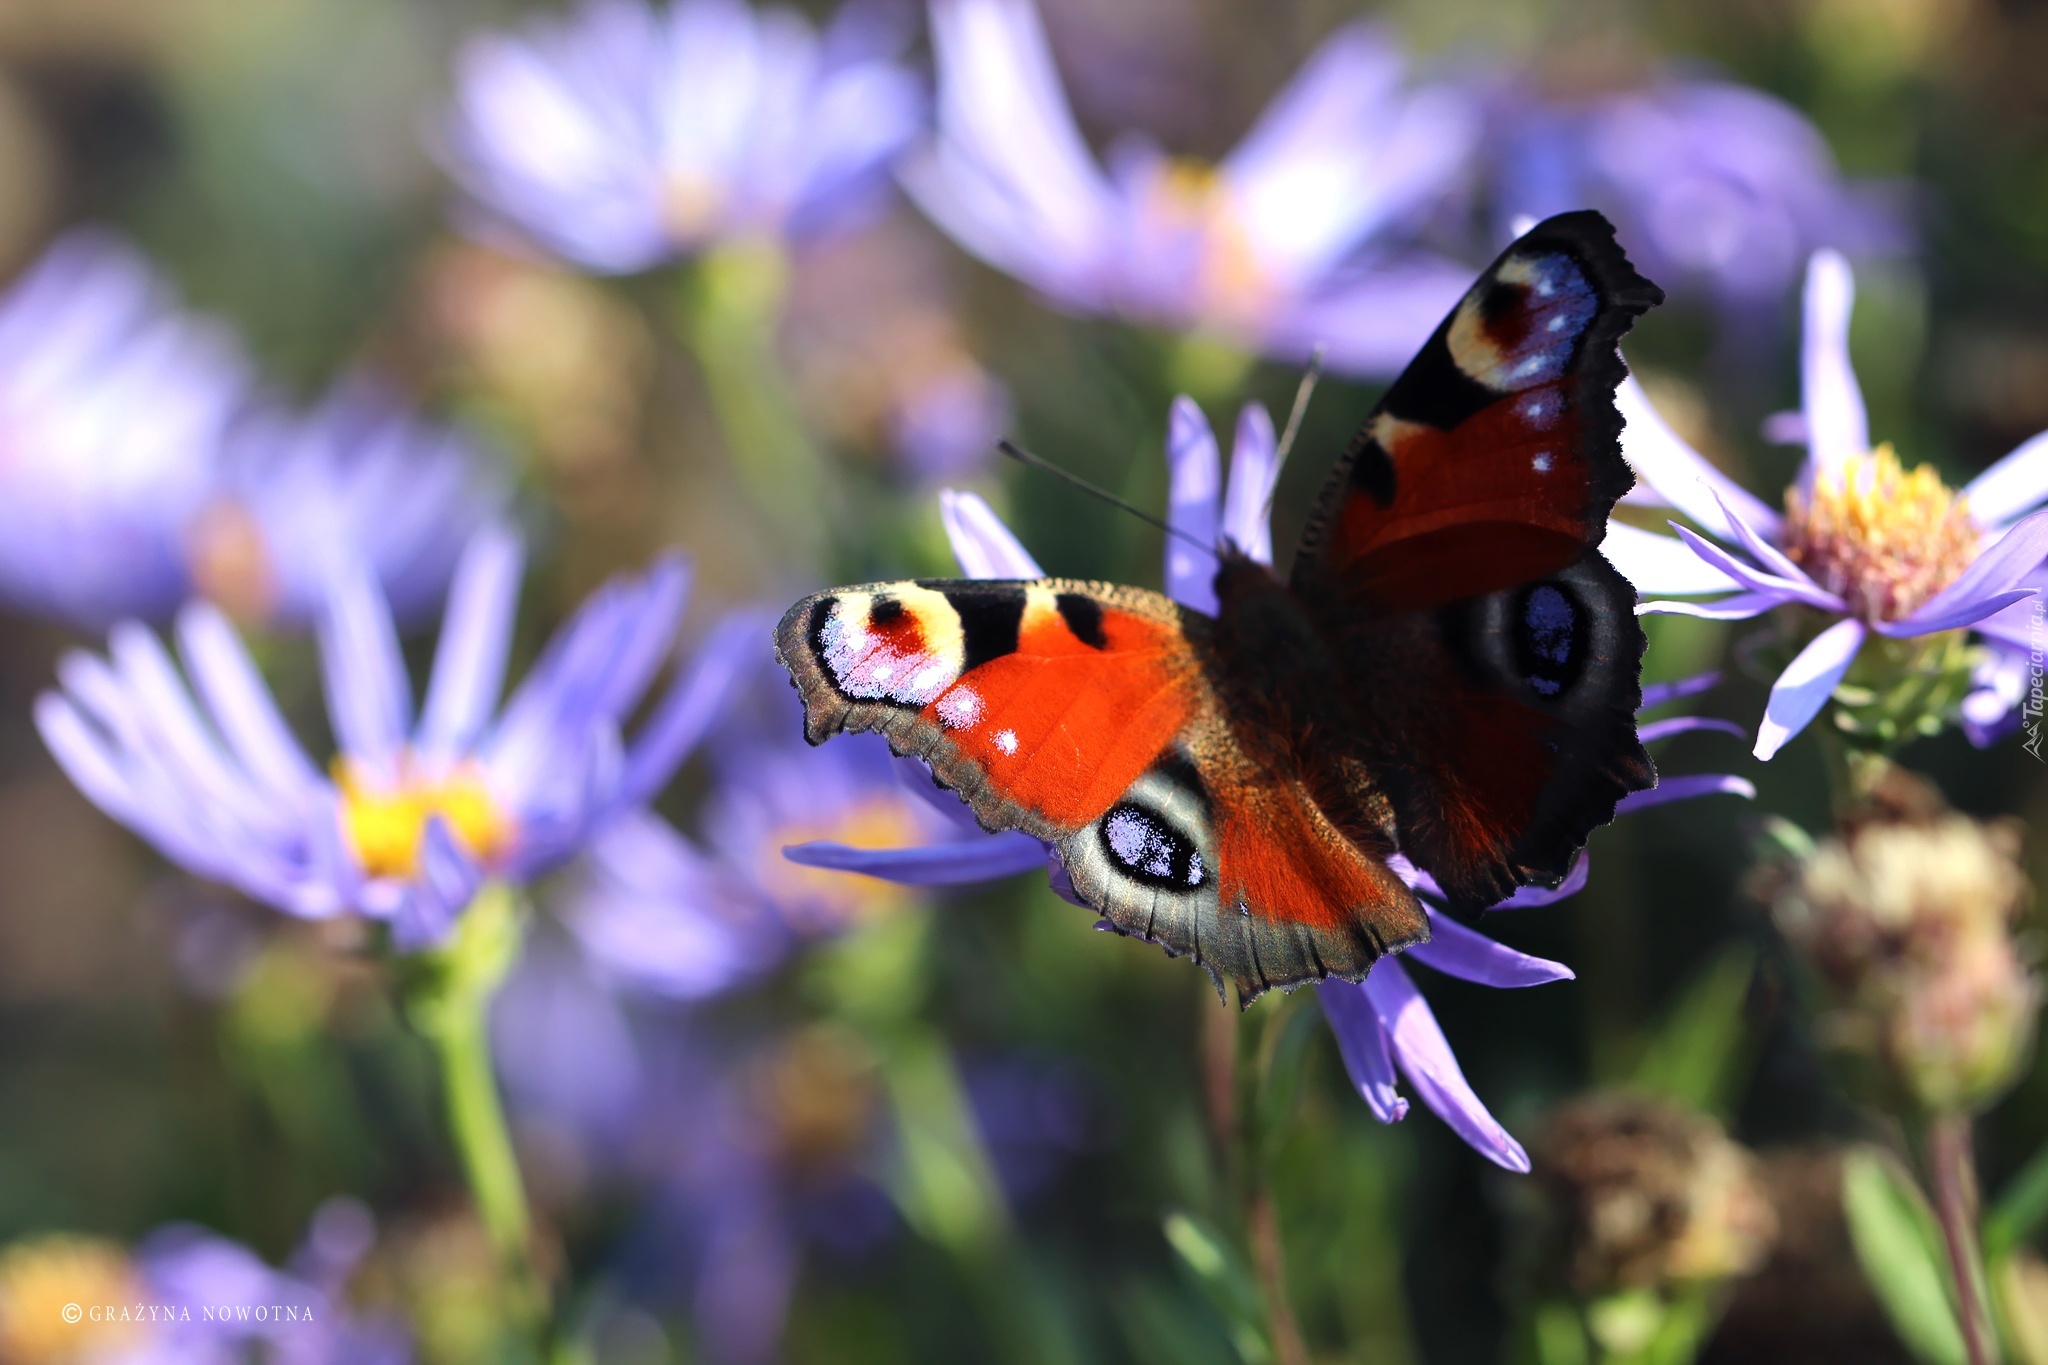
1907, 917
1646, 1194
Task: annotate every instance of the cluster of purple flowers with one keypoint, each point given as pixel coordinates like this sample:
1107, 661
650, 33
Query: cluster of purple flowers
145, 477
144, 464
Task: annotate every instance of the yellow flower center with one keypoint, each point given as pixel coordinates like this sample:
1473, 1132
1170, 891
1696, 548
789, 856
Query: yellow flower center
40, 1283
1191, 197
385, 824
1881, 537
838, 899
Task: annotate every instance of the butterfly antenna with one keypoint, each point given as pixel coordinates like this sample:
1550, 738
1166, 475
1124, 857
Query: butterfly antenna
1023, 456
1302, 392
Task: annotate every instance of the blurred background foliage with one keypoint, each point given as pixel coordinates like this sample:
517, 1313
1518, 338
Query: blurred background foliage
268, 154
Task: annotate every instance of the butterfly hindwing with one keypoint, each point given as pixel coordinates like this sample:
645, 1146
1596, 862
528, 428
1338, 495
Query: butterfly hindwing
1453, 560
1085, 715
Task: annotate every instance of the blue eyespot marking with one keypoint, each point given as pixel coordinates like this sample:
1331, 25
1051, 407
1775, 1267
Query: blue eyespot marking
1149, 850
1549, 641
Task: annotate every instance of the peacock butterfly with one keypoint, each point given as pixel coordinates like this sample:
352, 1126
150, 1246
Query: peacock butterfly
1450, 670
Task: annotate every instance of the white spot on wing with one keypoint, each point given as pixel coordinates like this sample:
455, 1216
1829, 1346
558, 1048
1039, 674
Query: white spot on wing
960, 708
1541, 463
1006, 740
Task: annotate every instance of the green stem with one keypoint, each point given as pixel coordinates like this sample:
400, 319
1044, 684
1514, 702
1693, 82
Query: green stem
1954, 1170
451, 1008
731, 305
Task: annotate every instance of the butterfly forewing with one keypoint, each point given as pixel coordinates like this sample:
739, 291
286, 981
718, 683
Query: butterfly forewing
1085, 715
1452, 561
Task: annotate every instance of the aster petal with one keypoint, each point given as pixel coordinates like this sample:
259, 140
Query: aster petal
1836, 427
1254, 466
1773, 560
1807, 683
368, 697
476, 635
981, 543
1680, 474
945, 864
649, 633
1426, 1059
165, 712
1663, 693
1471, 956
1343, 152
2014, 485
1740, 607
1194, 472
1800, 589
1685, 787
1660, 564
1652, 731
1363, 1044
1010, 177
1533, 897
1992, 583
448, 880
1370, 318
696, 699
241, 705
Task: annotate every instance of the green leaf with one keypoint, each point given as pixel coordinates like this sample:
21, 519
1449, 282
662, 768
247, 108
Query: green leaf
1224, 1280
1697, 1055
1900, 1248
2019, 1210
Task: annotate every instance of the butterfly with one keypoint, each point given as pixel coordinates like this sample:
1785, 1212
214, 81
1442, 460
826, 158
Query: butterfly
1450, 670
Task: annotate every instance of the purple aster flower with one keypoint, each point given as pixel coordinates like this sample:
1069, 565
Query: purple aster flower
1296, 238
112, 407
1383, 1022
141, 467
625, 136
220, 1303
1872, 548
358, 479
1710, 182
413, 815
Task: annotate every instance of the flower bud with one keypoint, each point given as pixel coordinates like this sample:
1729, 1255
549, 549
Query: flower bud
1645, 1194
1906, 915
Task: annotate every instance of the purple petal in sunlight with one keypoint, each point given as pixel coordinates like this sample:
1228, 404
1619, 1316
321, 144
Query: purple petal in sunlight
1362, 1043
1426, 1059
1995, 576
1799, 589
1678, 725
1685, 788
1531, 897
2016, 484
1660, 693
1469, 955
1805, 685
1836, 428
1739, 607
984, 546
1680, 474
944, 864
1194, 472
1660, 564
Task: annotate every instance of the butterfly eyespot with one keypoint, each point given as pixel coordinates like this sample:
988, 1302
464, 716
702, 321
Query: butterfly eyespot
1550, 638
1145, 848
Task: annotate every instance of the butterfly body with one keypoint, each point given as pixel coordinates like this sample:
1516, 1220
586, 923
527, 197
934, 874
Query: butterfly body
1449, 669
